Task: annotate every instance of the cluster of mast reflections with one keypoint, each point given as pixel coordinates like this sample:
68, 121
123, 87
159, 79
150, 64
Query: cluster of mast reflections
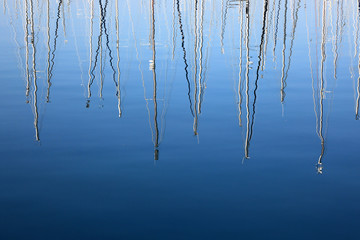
270, 28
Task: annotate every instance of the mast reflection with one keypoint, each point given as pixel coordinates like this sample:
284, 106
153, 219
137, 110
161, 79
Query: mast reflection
184, 54
250, 126
153, 68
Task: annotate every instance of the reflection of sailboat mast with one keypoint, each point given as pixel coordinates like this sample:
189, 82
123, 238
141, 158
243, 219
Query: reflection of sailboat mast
247, 33
261, 49
283, 83
53, 51
201, 90
184, 56
276, 29
152, 32
197, 78
335, 47
240, 62
356, 32
295, 19
63, 20
36, 113
101, 58
156, 154
48, 46
27, 51
265, 44
223, 22
321, 93
174, 32
198, 91
103, 10
91, 52
118, 57
247, 38
108, 45
310, 63
18, 47
200, 97
195, 69
99, 48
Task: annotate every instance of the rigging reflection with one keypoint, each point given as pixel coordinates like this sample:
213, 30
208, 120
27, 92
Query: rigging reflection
153, 68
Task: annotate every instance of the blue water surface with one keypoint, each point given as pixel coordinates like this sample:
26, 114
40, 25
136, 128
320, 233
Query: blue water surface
184, 119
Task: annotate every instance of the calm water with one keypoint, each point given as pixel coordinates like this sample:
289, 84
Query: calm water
190, 119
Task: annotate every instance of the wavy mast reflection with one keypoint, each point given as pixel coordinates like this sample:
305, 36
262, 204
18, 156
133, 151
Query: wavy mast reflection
239, 90
294, 19
26, 38
283, 81
118, 93
250, 123
247, 38
52, 60
30, 24
91, 52
321, 92
35, 104
184, 54
99, 51
153, 68
198, 77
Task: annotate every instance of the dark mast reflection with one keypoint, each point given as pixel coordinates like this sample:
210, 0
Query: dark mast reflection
108, 45
99, 50
51, 66
247, 39
92, 78
153, 68
261, 49
184, 54
91, 53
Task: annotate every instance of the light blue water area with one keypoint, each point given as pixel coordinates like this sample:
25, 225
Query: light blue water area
179, 119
